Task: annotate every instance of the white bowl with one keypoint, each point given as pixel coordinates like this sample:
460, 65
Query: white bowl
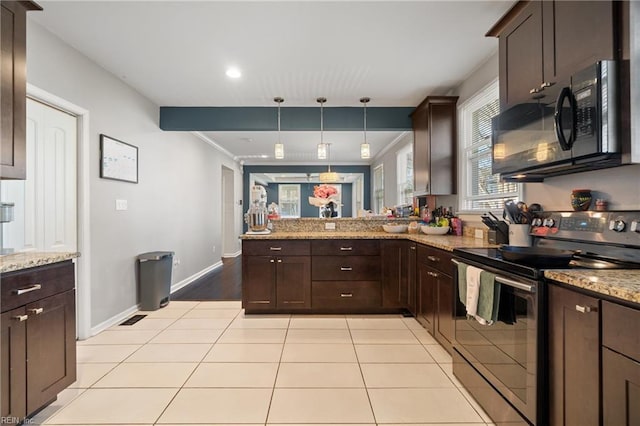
395, 229
434, 230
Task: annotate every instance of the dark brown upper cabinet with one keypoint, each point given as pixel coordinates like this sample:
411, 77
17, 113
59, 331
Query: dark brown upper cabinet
13, 85
542, 43
434, 146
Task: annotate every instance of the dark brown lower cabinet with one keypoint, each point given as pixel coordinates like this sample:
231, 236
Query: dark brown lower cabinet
620, 389
51, 348
276, 282
412, 278
38, 346
398, 274
14, 366
426, 291
444, 322
574, 358
620, 365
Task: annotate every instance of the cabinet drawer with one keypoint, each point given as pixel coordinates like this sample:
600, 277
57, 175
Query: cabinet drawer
276, 247
345, 268
345, 247
620, 327
435, 258
29, 285
345, 294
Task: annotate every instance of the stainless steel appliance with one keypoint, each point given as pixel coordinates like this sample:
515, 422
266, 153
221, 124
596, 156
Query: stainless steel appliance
256, 216
566, 130
503, 364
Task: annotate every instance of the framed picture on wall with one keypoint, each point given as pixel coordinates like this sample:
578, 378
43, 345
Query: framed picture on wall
118, 160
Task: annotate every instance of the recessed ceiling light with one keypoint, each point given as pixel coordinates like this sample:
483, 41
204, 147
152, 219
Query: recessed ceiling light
233, 73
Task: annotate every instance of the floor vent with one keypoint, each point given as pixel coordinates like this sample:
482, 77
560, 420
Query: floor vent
134, 319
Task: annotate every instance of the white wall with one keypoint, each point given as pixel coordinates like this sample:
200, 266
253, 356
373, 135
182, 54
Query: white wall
176, 205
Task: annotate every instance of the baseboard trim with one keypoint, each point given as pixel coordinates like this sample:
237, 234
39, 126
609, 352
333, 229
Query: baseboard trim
177, 286
117, 319
236, 254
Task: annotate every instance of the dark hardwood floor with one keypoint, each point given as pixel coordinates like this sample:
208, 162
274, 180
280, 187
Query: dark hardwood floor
222, 284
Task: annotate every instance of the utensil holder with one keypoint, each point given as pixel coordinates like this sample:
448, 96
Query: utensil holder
519, 235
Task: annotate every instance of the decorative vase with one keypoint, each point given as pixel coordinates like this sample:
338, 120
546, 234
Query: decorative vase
581, 199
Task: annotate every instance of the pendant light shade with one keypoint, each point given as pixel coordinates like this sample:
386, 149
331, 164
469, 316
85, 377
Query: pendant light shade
279, 147
365, 148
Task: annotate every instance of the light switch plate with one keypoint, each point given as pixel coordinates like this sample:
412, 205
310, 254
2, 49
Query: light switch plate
479, 234
330, 226
121, 204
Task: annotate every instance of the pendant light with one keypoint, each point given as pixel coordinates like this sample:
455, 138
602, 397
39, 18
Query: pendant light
279, 147
365, 148
322, 147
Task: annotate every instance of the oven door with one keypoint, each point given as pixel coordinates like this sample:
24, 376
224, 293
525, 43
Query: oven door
506, 353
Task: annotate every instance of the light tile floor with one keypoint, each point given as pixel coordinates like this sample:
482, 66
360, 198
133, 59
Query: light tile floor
207, 363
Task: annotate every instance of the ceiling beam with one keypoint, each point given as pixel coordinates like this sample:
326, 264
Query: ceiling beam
292, 118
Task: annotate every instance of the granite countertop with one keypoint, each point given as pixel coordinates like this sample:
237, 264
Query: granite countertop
24, 260
444, 242
618, 283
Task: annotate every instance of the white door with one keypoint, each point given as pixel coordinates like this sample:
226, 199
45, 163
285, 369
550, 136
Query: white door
45, 203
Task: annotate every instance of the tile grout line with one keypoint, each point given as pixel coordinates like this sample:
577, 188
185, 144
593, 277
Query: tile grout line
275, 379
196, 368
366, 389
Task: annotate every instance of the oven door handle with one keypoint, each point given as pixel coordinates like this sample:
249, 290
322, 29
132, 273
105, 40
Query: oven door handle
511, 283
520, 286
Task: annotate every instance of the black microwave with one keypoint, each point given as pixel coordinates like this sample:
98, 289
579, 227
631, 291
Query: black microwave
570, 129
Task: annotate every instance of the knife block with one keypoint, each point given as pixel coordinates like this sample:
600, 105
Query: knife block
499, 235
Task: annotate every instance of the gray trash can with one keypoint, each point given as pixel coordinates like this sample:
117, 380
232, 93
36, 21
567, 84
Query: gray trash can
154, 279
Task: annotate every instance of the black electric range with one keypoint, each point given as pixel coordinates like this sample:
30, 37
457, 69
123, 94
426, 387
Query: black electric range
500, 363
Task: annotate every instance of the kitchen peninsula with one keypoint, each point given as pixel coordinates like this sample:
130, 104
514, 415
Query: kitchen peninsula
356, 268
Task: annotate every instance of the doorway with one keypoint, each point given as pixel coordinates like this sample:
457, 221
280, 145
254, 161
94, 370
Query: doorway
229, 238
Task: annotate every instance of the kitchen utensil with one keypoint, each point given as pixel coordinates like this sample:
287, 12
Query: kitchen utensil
512, 211
494, 217
537, 256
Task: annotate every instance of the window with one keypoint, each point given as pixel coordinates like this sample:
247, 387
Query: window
378, 189
404, 161
480, 189
289, 200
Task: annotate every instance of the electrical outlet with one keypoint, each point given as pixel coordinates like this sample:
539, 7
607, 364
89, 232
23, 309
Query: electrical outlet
121, 205
479, 234
176, 261
330, 226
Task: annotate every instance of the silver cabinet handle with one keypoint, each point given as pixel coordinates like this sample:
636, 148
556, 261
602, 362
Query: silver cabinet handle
432, 274
272, 260
585, 309
412, 247
346, 248
279, 260
534, 90
346, 268
36, 311
27, 289
433, 258
546, 84
21, 318
346, 294
275, 248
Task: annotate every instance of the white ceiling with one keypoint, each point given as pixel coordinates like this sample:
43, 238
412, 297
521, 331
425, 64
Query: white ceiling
176, 54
